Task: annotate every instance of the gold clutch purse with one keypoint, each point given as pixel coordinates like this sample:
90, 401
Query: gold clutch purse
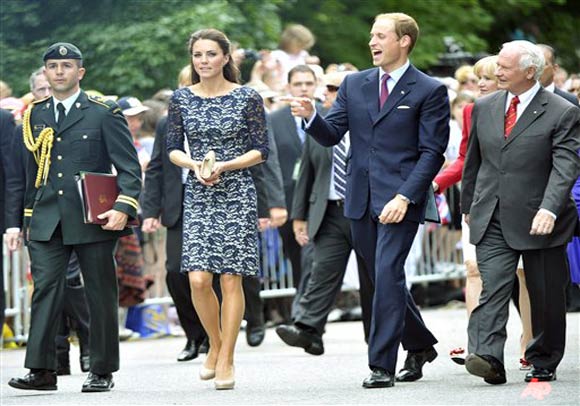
207, 165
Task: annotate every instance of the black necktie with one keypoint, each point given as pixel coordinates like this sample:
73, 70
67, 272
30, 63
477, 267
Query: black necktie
61, 115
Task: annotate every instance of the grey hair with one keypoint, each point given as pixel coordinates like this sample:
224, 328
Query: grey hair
530, 55
39, 71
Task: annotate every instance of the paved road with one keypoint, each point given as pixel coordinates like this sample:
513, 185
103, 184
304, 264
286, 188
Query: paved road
276, 374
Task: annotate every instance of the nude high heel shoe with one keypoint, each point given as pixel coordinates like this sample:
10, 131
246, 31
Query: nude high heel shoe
205, 374
221, 384
207, 164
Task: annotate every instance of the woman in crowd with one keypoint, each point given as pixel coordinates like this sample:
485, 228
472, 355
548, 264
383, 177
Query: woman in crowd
484, 69
220, 233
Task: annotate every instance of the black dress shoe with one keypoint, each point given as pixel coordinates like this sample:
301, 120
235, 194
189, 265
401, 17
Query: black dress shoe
255, 335
98, 383
41, 379
189, 352
413, 368
298, 337
85, 361
540, 375
487, 367
379, 378
204, 346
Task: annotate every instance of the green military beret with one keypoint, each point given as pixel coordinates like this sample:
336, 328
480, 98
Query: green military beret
62, 50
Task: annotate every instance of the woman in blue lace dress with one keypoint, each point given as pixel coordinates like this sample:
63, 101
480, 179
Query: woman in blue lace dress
220, 234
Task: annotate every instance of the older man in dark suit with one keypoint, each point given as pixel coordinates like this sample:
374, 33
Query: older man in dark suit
521, 164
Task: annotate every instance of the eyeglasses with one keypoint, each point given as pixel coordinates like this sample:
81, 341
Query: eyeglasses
332, 88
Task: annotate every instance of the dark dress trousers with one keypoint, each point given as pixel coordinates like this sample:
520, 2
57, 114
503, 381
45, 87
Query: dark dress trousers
93, 137
330, 234
394, 150
505, 183
289, 147
6, 134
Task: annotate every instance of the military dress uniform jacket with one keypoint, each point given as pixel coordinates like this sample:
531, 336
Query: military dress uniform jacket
93, 138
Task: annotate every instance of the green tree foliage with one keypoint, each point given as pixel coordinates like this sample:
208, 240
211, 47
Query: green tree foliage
129, 47
342, 26
138, 46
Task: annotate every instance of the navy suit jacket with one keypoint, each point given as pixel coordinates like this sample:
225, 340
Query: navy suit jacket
398, 149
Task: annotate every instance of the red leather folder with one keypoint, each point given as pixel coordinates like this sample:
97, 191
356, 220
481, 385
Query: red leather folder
98, 192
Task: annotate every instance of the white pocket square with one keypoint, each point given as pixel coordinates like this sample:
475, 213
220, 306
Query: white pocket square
403, 107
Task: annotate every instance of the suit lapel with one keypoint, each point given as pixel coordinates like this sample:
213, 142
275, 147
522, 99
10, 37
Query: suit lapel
370, 89
75, 114
498, 115
290, 123
46, 114
399, 92
534, 110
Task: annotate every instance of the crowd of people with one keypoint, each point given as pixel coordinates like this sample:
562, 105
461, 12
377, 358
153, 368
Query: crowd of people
336, 160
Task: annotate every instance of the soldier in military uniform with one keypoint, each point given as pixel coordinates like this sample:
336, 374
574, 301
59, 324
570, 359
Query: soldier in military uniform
66, 134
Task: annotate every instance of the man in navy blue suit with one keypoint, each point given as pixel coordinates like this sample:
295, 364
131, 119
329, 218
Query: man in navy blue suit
398, 120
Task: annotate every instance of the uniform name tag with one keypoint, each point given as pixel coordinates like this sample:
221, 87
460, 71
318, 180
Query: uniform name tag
39, 127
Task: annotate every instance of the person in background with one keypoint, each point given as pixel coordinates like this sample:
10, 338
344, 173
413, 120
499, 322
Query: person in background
466, 79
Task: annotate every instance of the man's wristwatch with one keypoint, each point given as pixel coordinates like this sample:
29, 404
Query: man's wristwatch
404, 198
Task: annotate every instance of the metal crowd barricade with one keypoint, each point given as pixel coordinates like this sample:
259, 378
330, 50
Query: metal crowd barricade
438, 258
15, 265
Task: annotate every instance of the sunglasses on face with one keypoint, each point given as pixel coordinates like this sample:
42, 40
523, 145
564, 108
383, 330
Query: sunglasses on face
332, 88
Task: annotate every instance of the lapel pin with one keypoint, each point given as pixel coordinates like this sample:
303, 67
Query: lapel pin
78, 105
47, 106
402, 92
535, 112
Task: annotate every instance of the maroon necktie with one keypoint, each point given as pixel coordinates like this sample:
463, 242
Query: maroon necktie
511, 116
384, 90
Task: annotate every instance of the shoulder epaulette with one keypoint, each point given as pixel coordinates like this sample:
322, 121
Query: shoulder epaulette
108, 103
41, 100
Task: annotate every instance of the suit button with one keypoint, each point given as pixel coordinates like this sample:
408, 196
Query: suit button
58, 139
60, 174
60, 192
85, 137
59, 157
373, 150
502, 172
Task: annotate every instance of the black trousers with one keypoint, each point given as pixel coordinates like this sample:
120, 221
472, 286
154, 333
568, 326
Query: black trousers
547, 275
332, 247
49, 262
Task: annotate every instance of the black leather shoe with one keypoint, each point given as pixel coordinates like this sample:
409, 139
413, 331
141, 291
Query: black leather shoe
85, 361
487, 367
63, 370
41, 379
297, 337
379, 378
413, 367
255, 335
204, 346
98, 383
189, 352
540, 375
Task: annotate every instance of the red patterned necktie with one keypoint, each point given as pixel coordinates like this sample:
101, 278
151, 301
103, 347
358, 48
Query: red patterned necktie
384, 90
511, 116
